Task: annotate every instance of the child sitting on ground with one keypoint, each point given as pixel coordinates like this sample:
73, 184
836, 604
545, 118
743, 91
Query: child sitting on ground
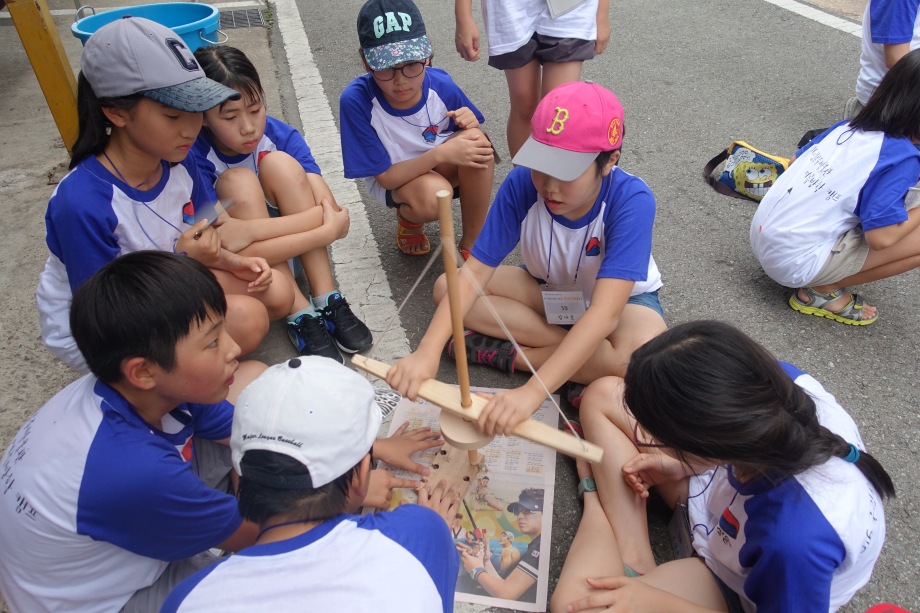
777, 495
302, 437
133, 186
254, 160
589, 293
410, 131
105, 502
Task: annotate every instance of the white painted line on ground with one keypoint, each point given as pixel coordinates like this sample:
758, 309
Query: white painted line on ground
358, 269
820, 16
221, 6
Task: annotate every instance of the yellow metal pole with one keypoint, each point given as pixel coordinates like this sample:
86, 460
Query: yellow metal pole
43, 46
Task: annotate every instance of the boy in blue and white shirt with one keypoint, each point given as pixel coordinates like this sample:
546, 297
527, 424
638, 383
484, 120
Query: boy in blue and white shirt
410, 131
103, 502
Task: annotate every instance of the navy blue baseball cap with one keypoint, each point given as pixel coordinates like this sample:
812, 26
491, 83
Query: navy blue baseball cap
392, 32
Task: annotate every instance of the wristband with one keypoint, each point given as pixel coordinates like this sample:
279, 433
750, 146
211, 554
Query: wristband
474, 574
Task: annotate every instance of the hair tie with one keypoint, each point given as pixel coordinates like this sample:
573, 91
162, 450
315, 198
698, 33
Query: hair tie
853, 456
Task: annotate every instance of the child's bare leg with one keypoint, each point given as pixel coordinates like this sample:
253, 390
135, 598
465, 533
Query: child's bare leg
246, 321
606, 422
418, 205
557, 73
245, 374
515, 296
417, 197
594, 551
286, 186
277, 298
278, 239
690, 579
880, 264
475, 194
524, 94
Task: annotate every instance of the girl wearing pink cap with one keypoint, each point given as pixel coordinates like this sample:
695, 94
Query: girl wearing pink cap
587, 293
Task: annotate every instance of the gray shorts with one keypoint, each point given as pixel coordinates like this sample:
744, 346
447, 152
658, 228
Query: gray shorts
545, 49
847, 258
211, 461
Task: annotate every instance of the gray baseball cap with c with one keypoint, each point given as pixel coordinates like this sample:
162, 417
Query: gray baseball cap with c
133, 55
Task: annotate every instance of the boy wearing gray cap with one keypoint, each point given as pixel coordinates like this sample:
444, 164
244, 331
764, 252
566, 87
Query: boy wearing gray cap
301, 441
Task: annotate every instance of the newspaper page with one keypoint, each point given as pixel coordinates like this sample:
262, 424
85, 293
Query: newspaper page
506, 514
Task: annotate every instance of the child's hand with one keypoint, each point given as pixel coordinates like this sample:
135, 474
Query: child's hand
469, 148
335, 218
397, 450
406, 375
464, 118
255, 270
200, 243
471, 557
234, 233
466, 38
380, 489
508, 408
647, 470
443, 500
623, 594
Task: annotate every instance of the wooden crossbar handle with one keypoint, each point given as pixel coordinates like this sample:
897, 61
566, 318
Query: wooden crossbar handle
448, 398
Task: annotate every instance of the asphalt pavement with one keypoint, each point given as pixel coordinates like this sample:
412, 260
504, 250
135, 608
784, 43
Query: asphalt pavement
692, 77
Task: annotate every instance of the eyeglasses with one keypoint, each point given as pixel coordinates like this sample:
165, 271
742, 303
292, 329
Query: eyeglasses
639, 444
410, 70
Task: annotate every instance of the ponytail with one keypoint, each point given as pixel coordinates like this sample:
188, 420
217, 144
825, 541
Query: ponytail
93, 127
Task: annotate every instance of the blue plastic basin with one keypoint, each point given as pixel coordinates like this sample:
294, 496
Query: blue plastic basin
195, 23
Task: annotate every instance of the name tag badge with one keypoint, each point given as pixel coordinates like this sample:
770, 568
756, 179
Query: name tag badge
563, 304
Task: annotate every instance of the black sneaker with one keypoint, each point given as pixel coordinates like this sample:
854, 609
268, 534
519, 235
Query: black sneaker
310, 337
487, 350
349, 332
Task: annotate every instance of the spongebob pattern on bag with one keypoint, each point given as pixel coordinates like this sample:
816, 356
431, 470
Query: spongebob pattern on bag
751, 172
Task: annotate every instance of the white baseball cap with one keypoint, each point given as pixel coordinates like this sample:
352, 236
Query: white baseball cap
133, 55
311, 409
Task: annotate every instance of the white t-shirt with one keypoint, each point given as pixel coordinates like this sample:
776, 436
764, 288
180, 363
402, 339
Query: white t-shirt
807, 543
94, 503
885, 22
843, 178
511, 23
401, 561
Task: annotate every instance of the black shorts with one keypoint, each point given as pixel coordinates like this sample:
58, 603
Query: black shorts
546, 50
392, 204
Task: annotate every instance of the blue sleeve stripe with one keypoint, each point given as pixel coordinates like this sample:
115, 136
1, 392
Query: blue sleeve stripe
793, 371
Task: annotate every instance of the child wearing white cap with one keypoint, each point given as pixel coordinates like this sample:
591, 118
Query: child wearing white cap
302, 438
588, 295
134, 186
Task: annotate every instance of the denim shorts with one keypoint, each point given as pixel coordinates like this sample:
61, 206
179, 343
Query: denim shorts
648, 299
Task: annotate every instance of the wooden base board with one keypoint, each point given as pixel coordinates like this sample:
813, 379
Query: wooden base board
453, 466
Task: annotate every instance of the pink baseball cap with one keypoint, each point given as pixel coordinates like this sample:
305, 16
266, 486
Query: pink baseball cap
572, 124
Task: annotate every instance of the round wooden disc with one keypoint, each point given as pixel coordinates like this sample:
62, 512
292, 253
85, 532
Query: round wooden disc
462, 434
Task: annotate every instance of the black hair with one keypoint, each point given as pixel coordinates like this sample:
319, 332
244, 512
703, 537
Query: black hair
230, 67
258, 503
707, 389
894, 107
141, 305
604, 156
93, 126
